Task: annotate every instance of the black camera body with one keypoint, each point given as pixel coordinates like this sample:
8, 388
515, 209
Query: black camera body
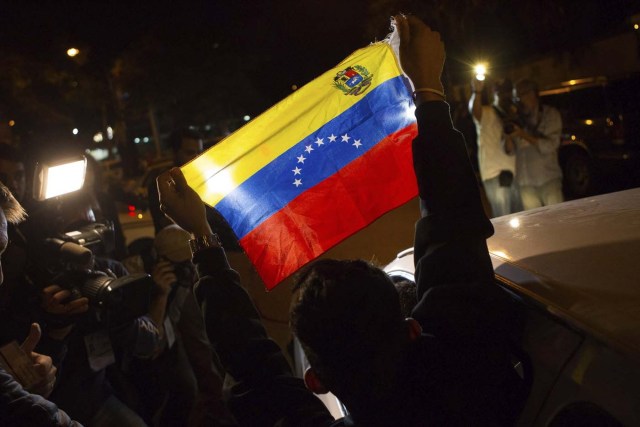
511, 115
116, 300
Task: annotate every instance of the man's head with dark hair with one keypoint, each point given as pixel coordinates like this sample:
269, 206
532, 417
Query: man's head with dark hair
503, 85
526, 92
12, 170
10, 212
347, 317
408, 295
185, 144
502, 93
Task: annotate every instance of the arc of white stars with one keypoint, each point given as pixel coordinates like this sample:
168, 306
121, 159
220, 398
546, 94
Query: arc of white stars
320, 141
296, 171
301, 158
332, 138
357, 143
345, 138
297, 182
309, 149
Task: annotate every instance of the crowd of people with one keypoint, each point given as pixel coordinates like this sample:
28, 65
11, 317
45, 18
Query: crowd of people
518, 140
199, 355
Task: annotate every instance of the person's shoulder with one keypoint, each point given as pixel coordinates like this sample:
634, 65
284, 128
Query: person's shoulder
489, 111
550, 110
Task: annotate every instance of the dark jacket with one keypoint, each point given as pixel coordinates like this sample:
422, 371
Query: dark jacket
457, 373
21, 408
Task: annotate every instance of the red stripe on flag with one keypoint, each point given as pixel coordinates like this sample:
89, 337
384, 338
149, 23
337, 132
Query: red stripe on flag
321, 217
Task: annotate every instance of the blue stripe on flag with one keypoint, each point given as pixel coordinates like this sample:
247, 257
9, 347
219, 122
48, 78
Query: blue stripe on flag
383, 111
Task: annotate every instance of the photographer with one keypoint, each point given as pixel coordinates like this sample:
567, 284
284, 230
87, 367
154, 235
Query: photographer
537, 140
19, 407
83, 338
180, 384
497, 164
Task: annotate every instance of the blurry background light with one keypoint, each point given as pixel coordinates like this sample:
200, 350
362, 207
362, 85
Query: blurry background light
72, 52
480, 70
247, 118
75, 131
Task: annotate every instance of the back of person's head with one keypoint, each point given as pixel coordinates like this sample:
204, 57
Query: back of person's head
503, 86
13, 170
13, 210
347, 318
407, 292
178, 135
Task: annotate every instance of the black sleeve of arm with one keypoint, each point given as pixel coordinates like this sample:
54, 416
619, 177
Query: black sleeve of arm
452, 211
21, 408
266, 390
454, 275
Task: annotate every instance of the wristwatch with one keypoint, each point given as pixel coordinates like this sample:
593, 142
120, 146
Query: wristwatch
204, 242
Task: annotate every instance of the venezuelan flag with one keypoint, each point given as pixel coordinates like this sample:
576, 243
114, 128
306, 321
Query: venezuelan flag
316, 167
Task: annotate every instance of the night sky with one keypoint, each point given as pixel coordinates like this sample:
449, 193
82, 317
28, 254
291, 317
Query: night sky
300, 38
289, 42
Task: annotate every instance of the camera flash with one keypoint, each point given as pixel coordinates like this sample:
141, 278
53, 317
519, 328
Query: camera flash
480, 70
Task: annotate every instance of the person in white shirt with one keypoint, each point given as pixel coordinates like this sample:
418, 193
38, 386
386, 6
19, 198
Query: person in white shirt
497, 167
536, 145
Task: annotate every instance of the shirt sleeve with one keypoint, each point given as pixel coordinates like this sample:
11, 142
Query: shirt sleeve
20, 408
551, 130
140, 337
457, 299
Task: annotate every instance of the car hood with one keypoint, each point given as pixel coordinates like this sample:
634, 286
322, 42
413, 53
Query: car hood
579, 258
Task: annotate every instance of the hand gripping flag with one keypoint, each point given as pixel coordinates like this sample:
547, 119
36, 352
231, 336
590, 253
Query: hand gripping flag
318, 166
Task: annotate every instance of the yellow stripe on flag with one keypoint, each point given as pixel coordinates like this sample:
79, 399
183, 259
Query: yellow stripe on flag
222, 168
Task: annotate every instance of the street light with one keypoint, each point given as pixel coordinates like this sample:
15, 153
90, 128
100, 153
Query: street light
72, 52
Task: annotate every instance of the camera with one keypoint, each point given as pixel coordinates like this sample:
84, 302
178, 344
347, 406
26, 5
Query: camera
512, 116
62, 247
70, 265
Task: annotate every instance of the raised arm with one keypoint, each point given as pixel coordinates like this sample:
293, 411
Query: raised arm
266, 390
454, 275
453, 216
475, 102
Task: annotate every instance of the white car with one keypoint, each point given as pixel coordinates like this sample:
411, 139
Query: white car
575, 270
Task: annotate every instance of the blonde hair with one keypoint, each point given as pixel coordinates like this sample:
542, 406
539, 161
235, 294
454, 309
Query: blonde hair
13, 210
